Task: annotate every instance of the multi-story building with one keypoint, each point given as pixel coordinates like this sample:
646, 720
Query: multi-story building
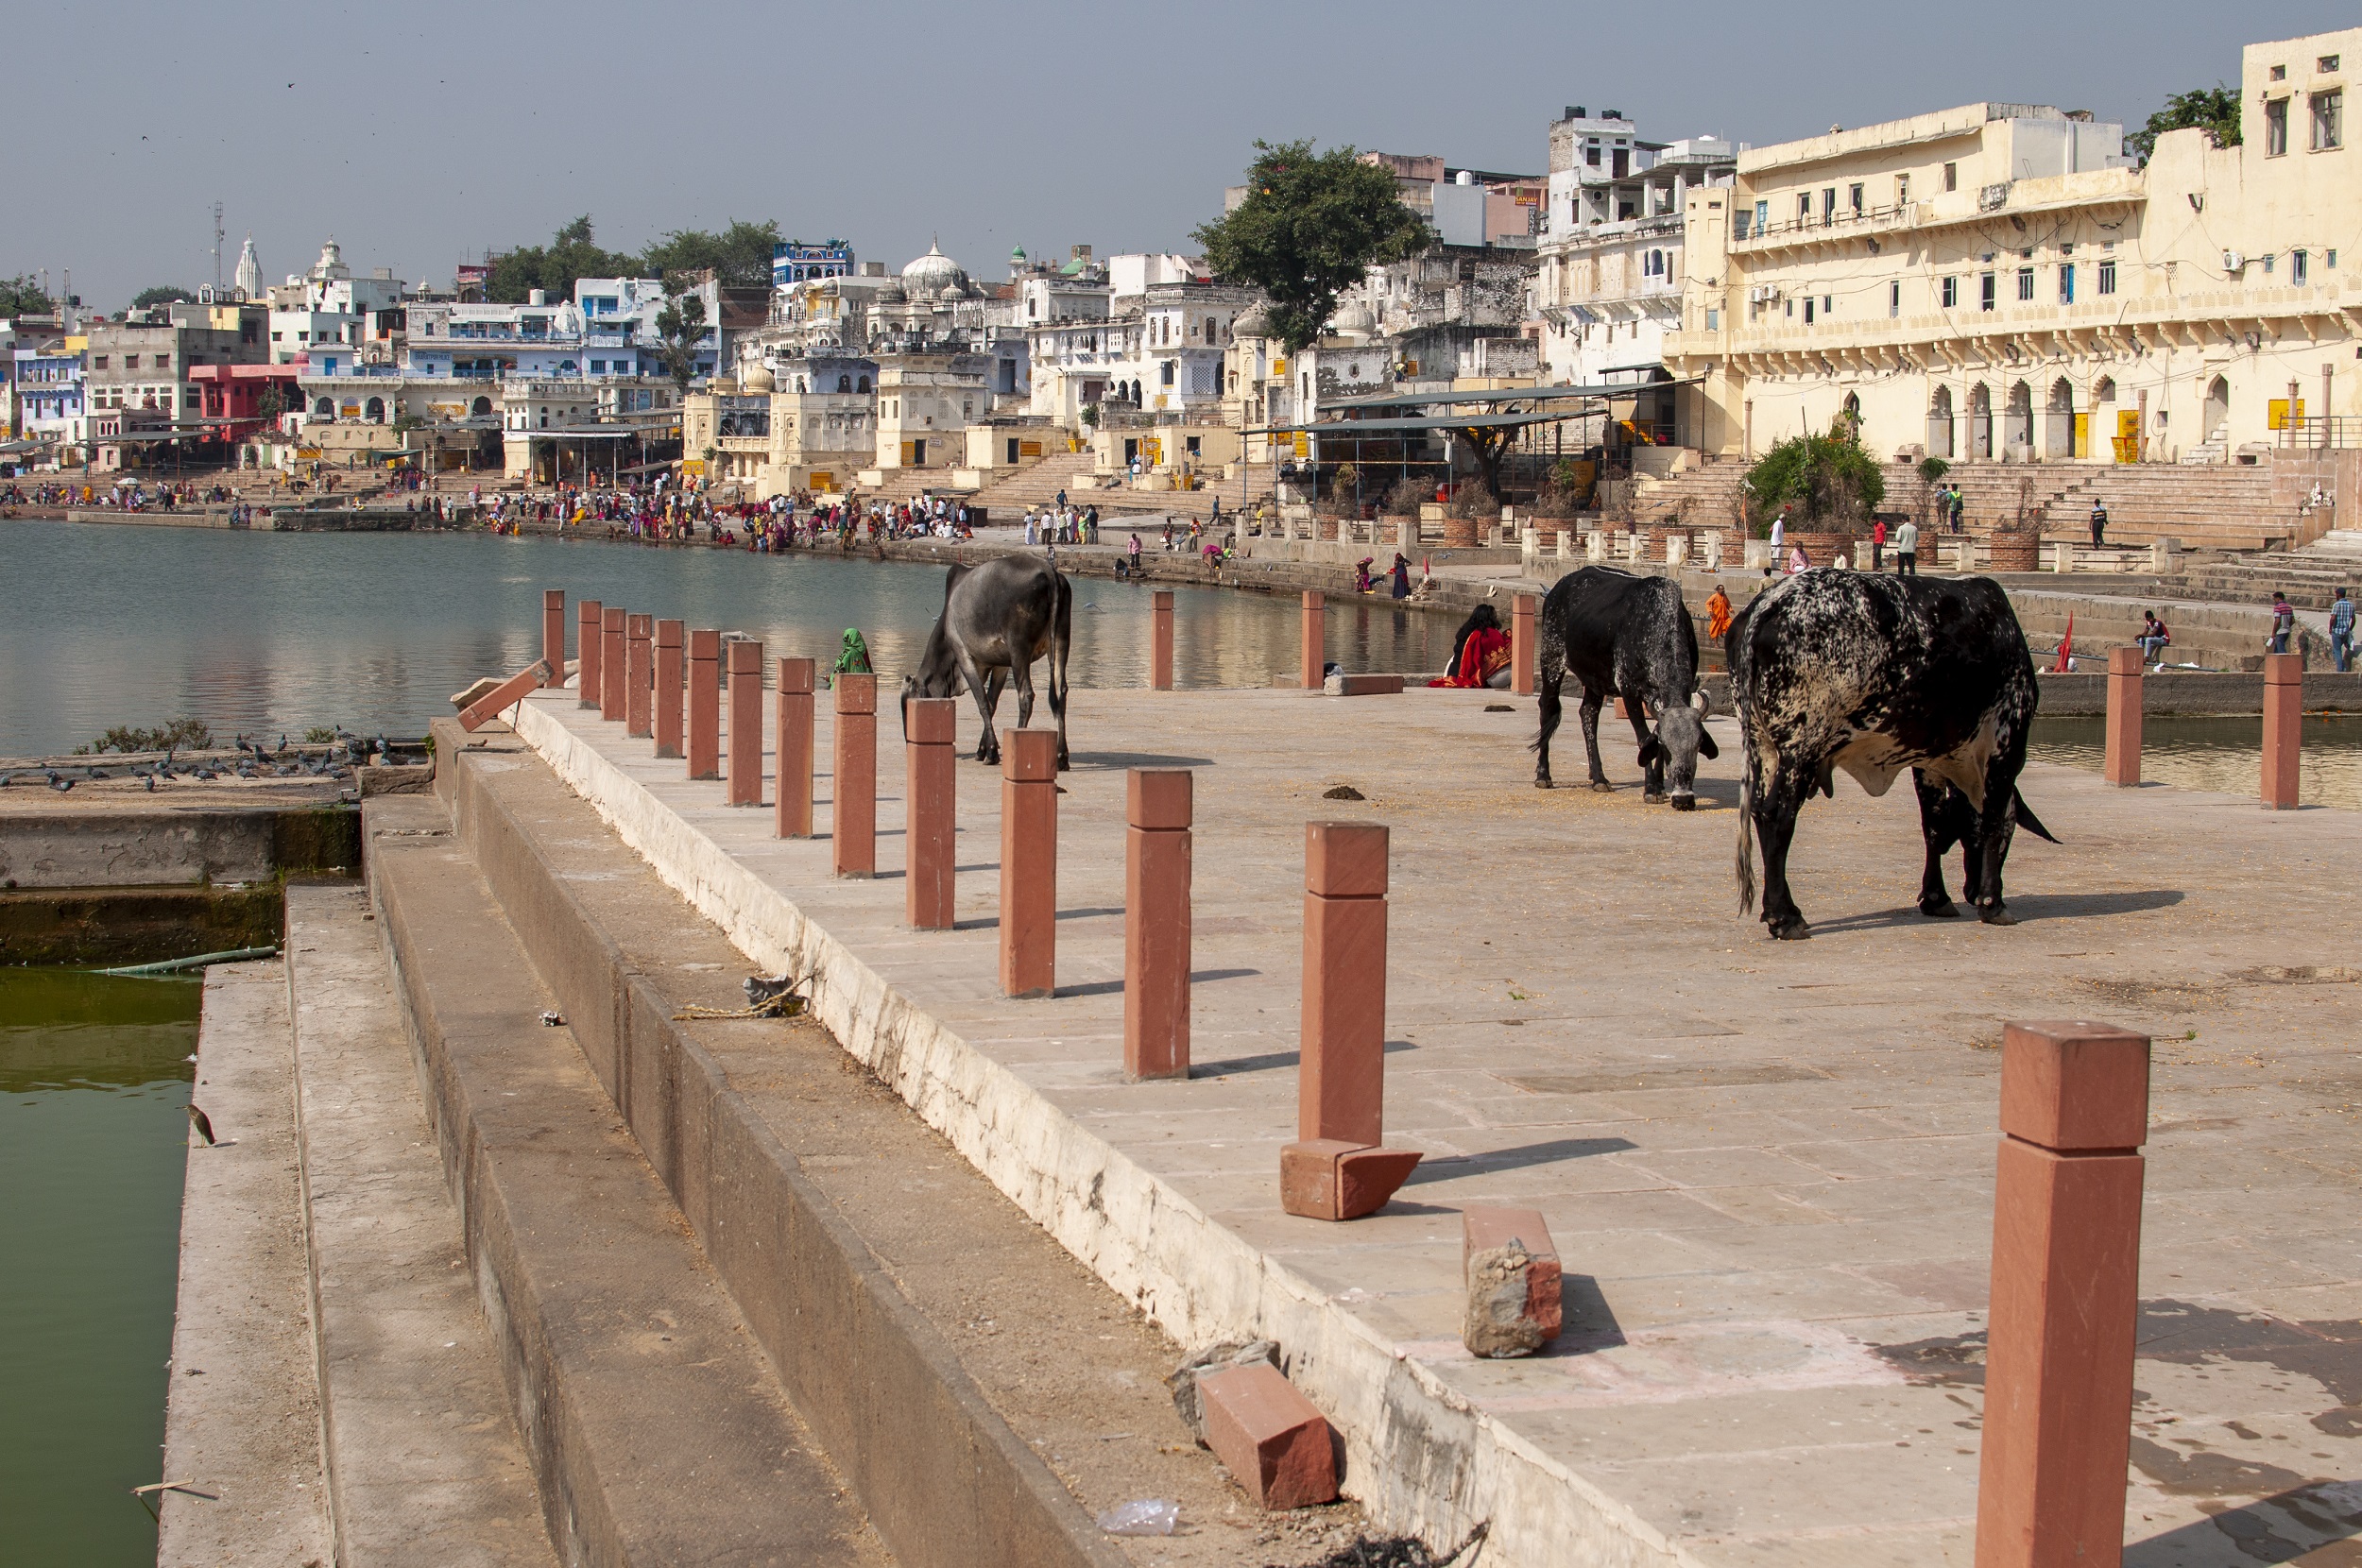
47, 382
815, 432
361, 317
142, 361
2001, 282
794, 262
1609, 279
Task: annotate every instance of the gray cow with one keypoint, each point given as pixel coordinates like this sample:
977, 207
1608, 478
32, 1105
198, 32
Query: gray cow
998, 619
1621, 635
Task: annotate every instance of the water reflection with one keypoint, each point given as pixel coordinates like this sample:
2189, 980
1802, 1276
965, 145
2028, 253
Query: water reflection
105, 624
2224, 755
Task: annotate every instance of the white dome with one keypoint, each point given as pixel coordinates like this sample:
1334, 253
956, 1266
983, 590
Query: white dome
1254, 322
1355, 317
933, 274
758, 378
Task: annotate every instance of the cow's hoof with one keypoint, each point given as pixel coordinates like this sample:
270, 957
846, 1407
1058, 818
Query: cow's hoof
1544, 784
1684, 803
1939, 909
1602, 786
1791, 928
1654, 798
1997, 915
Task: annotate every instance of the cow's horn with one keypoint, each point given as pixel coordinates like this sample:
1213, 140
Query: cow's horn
1698, 701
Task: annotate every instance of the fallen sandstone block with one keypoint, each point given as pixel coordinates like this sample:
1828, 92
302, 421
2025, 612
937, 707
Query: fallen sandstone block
1270, 1438
1511, 1273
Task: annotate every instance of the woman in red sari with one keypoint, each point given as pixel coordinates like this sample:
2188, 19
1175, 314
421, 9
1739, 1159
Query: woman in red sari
1479, 652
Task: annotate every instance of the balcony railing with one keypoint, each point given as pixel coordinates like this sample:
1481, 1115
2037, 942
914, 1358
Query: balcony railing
2319, 432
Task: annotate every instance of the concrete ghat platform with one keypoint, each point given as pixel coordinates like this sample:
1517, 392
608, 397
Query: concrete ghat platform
1768, 1166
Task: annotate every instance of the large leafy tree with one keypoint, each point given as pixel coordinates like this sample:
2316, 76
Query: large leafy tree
572, 253
740, 255
162, 295
1311, 226
2213, 110
22, 296
1831, 481
679, 325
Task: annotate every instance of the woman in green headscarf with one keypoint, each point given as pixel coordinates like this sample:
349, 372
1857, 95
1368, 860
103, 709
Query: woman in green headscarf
854, 659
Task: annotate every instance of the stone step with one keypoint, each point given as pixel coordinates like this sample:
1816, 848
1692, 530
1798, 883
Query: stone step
242, 1421
659, 1432
424, 1462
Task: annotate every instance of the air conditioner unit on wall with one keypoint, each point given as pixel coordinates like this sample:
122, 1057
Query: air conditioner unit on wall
2233, 262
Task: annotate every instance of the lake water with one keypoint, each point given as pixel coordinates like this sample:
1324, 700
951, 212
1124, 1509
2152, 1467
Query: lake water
111, 623
2225, 754
93, 1139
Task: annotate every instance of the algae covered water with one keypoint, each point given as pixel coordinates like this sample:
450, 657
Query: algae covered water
2220, 754
106, 624
92, 1139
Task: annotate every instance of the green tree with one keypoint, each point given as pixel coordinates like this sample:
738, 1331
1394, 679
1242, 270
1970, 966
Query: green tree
1312, 224
1830, 480
740, 255
572, 253
21, 296
272, 403
679, 326
2213, 110
162, 295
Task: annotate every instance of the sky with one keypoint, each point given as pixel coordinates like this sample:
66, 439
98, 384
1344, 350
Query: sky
424, 133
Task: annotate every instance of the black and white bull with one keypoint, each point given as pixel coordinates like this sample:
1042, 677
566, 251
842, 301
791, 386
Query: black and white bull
998, 619
1874, 674
1630, 636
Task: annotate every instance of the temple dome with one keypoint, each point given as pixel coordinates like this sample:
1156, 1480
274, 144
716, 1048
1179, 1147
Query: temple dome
1254, 322
933, 275
1354, 319
758, 378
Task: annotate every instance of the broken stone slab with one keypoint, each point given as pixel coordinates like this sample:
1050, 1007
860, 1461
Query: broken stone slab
1274, 1441
1511, 1271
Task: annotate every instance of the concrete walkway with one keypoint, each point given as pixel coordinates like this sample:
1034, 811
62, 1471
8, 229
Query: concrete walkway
1768, 1166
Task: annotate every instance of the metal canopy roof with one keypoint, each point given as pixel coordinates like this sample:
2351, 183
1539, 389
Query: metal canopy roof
1512, 393
1410, 425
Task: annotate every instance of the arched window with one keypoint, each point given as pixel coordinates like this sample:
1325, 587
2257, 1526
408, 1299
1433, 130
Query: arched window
2058, 435
2217, 411
2107, 390
1940, 423
863, 385
324, 408
1979, 421
844, 384
374, 411
481, 406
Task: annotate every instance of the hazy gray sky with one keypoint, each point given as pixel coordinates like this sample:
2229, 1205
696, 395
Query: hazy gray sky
427, 130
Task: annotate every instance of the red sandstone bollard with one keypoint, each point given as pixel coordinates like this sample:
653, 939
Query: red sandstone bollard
931, 820
639, 674
1157, 858
1029, 862
611, 663
1521, 645
1160, 641
2123, 765
794, 749
744, 772
1511, 1272
1274, 1441
1315, 640
2284, 729
590, 616
553, 633
705, 704
2067, 1245
1336, 1170
670, 661
853, 824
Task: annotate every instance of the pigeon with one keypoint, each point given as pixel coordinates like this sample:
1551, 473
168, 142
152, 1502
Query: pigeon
202, 1124
207, 775
283, 740
151, 783
60, 784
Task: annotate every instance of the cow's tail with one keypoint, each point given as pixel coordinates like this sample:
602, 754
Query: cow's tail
1745, 864
2026, 819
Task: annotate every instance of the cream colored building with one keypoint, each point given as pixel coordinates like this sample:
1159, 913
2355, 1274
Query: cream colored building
1997, 282
776, 441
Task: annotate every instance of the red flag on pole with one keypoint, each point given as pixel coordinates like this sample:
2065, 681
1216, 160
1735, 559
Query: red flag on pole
2065, 663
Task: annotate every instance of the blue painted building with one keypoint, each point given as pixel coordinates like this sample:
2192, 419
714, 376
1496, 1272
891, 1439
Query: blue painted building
794, 262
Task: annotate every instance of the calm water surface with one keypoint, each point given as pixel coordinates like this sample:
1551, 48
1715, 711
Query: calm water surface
2217, 754
93, 1081
109, 623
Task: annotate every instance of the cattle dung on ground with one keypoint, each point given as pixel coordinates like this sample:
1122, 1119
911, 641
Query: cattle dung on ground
1874, 674
1620, 635
998, 619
